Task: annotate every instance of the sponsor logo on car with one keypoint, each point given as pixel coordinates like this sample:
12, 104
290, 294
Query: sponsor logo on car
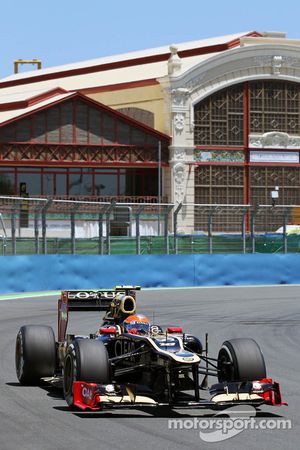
89, 295
87, 393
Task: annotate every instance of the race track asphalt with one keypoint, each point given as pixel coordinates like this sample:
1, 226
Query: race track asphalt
37, 418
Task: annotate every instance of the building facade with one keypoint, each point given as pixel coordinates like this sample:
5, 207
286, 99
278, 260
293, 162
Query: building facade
218, 118
235, 119
68, 146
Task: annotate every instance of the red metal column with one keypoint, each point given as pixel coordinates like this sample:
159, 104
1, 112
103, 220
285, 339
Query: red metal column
31, 120
88, 124
60, 125
246, 149
68, 182
42, 181
16, 181
115, 131
118, 182
74, 122
46, 127
101, 129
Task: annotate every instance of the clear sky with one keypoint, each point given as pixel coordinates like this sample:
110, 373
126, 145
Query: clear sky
65, 31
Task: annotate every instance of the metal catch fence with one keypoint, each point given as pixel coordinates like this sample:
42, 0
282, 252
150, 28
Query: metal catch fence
46, 226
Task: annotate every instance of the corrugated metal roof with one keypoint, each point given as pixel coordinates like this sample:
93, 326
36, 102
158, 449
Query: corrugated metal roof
78, 82
127, 56
19, 96
13, 114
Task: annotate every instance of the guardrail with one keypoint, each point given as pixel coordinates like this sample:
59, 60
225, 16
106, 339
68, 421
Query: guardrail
48, 225
3, 236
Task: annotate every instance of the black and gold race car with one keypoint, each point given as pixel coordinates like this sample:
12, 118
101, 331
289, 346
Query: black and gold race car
129, 362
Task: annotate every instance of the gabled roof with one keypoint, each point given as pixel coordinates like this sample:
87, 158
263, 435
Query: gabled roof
50, 98
18, 100
10, 115
154, 58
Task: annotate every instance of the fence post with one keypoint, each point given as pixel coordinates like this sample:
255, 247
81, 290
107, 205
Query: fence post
166, 237
252, 229
108, 211
210, 243
4, 237
44, 238
176, 212
137, 234
100, 234
137, 230
44, 225
73, 245
36, 232
244, 231
108, 232
13, 232
284, 235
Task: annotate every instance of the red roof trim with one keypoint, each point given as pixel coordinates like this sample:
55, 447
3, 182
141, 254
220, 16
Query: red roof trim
45, 95
14, 105
215, 48
85, 164
41, 108
236, 42
73, 144
98, 105
119, 86
31, 100
127, 63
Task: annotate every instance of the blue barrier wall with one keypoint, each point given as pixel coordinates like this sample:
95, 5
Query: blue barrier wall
56, 272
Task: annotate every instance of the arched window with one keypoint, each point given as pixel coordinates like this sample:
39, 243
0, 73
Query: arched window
274, 106
235, 164
265, 105
219, 119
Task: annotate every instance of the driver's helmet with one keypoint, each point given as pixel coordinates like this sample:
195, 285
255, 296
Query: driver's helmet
137, 324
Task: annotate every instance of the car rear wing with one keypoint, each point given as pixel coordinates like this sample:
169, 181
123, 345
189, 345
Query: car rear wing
88, 300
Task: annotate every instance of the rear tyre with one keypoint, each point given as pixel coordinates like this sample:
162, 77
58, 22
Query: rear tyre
85, 360
35, 355
241, 360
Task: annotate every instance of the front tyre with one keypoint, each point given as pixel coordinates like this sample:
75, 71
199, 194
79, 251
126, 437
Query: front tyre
85, 360
241, 360
35, 355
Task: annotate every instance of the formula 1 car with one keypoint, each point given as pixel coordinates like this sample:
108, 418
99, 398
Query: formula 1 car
129, 362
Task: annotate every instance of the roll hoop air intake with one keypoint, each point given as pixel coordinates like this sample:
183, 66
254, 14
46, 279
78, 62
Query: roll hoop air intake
122, 306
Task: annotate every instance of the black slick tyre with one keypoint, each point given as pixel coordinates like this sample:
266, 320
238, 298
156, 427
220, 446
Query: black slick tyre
35, 355
240, 360
85, 360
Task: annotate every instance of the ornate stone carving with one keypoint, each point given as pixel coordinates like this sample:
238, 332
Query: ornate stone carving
174, 62
179, 154
178, 173
274, 139
276, 62
195, 82
179, 97
179, 121
263, 60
